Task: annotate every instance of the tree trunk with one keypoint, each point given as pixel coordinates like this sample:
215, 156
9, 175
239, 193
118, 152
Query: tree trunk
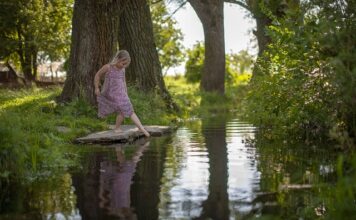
278, 10
211, 14
262, 39
94, 40
262, 22
26, 62
34, 63
136, 36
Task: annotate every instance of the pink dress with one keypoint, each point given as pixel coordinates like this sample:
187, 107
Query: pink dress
113, 97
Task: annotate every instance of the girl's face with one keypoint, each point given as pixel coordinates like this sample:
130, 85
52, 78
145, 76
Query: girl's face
123, 63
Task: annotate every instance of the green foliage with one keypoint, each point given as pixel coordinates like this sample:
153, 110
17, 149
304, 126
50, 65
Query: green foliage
237, 65
150, 108
35, 29
195, 103
340, 197
241, 62
308, 81
167, 36
28, 136
195, 62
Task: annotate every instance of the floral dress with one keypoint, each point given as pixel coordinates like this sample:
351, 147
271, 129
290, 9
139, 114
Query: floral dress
114, 97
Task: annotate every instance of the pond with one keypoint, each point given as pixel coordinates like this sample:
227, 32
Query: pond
216, 168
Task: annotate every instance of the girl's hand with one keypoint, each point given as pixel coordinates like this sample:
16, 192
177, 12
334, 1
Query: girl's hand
97, 91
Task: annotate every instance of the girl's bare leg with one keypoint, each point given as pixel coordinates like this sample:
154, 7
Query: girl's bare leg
119, 120
137, 122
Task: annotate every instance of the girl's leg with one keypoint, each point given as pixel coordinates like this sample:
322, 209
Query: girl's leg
119, 120
137, 122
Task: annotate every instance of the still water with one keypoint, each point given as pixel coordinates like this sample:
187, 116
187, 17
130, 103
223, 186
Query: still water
207, 169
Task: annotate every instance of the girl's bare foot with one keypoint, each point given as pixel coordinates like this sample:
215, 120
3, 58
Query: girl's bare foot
117, 130
146, 133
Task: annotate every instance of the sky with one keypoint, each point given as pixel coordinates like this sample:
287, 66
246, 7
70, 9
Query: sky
238, 29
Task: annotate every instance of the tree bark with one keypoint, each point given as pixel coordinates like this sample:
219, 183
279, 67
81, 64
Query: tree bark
136, 36
211, 14
94, 40
262, 22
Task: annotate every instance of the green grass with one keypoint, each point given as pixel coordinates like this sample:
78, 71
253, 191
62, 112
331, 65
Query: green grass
196, 103
30, 144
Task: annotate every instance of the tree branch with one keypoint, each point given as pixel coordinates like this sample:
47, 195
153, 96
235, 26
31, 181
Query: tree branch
157, 1
179, 7
238, 3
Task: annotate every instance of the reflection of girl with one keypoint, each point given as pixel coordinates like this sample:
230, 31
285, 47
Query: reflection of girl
115, 182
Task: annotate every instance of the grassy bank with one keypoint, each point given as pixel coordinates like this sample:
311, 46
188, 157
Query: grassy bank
196, 103
36, 132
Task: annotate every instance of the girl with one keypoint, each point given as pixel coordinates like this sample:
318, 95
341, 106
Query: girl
113, 97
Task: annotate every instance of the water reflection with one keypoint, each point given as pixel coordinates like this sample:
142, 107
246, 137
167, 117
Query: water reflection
122, 182
206, 170
115, 182
103, 192
145, 188
50, 198
215, 174
216, 206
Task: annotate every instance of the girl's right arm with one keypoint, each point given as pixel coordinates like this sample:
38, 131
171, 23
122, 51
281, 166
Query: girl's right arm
98, 76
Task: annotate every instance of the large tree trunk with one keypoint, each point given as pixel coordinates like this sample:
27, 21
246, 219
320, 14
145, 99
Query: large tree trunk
94, 40
136, 36
211, 14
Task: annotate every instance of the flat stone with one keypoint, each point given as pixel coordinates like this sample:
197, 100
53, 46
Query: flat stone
129, 133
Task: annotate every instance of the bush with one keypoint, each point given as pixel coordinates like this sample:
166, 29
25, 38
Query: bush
306, 82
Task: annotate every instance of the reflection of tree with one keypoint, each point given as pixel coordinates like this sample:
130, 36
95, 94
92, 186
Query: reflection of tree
86, 188
217, 204
147, 180
104, 191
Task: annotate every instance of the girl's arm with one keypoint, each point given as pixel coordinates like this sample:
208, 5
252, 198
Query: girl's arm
98, 76
125, 81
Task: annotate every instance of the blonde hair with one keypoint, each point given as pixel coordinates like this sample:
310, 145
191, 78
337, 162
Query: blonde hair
121, 54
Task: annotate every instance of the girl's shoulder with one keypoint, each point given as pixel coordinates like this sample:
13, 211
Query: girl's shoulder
106, 67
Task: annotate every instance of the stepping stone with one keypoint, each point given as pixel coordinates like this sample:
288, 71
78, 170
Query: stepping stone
129, 133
